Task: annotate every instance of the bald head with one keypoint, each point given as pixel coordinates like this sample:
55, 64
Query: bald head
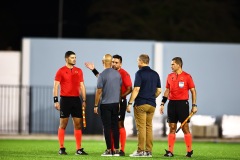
107, 60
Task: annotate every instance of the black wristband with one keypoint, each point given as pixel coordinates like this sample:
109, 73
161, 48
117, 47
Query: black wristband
55, 99
194, 105
95, 72
164, 99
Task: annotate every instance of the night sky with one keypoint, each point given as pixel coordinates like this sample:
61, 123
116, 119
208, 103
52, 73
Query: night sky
39, 19
163, 20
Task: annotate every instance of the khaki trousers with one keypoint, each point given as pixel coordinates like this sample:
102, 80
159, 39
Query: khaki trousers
143, 117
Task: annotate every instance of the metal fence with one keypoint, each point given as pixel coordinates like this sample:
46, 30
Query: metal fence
30, 109
10, 121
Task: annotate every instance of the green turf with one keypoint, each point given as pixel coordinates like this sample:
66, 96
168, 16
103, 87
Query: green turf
48, 149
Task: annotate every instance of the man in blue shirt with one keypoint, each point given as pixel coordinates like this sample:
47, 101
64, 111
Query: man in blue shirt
147, 87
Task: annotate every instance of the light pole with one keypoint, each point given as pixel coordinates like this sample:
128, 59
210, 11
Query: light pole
60, 18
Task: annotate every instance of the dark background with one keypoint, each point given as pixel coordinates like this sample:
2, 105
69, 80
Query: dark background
161, 20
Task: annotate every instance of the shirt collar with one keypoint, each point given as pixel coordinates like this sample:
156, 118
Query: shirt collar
145, 67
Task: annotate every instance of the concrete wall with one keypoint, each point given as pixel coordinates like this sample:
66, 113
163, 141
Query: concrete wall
47, 56
10, 111
10, 67
214, 67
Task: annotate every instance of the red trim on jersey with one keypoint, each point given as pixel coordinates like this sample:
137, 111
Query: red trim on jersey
126, 80
179, 86
69, 81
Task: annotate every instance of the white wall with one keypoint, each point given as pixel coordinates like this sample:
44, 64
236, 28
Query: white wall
9, 95
10, 67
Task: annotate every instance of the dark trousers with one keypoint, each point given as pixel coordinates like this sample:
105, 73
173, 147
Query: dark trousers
109, 116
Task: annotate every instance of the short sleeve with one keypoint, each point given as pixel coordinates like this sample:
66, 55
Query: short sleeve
58, 76
138, 80
158, 82
127, 80
167, 82
190, 82
100, 81
81, 79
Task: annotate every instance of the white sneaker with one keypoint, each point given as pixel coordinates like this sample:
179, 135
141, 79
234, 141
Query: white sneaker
137, 154
147, 154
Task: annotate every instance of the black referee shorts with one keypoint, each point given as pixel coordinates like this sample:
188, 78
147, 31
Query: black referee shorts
122, 112
177, 110
70, 106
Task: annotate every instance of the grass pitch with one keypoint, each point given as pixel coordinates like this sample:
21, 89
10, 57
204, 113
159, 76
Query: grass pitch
48, 149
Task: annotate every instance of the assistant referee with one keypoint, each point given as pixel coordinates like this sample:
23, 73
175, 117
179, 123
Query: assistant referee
70, 79
177, 87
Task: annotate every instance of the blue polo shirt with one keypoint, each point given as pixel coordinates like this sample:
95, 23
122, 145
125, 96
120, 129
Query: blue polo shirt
148, 80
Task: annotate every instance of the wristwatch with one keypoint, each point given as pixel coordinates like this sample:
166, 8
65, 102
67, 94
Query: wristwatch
129, 103
194, 105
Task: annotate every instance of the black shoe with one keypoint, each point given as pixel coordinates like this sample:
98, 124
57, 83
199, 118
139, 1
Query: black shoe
116, 152
121, 153
189, 154
107, 153
80, 152
168, 153
62, 151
